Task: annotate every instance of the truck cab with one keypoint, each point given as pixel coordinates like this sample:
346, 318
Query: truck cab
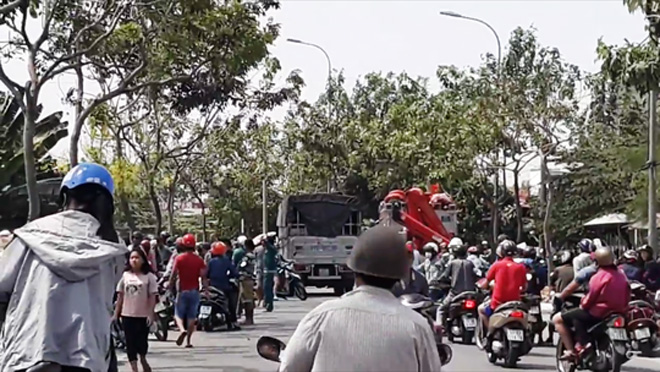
318, 232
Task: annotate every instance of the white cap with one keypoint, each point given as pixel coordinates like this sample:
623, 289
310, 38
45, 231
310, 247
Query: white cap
5, 233
241, 239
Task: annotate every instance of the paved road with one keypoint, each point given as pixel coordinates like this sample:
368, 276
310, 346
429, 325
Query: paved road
235, 351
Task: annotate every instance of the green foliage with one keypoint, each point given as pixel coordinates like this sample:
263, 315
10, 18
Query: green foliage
49, 131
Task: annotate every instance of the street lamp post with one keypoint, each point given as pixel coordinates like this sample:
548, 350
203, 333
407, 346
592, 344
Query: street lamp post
499, 73
329, 79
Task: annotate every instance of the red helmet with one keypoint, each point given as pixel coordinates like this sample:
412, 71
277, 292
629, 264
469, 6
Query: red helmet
146, 244
218, 248
188, 241
410, 247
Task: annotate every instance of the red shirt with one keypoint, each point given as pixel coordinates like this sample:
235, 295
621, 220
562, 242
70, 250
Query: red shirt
608, 292
189, 267
509, 278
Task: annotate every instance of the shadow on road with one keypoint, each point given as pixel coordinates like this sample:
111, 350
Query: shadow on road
534, 366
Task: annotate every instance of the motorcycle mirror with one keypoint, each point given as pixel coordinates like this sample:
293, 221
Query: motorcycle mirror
445, 354
270, 348
529, 276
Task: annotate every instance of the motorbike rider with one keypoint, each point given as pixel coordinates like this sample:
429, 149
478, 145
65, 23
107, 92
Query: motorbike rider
582, 260
630, 266
220, 270
535, 284
367, 329
651, 275
414, 282
239, 251
246, 270
609, 292
480, 265
560, 278
510, 280
431, 271
60, 273
461, 274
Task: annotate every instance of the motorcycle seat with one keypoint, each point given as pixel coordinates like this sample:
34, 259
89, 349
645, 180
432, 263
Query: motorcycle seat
464, 296
512, 305
640, 303
598, 326
415, 301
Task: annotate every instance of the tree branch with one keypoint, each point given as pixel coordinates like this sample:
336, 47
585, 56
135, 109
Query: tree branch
16, 90
8, 8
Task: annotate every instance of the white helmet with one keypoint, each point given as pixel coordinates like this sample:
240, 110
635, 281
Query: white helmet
455, 243
430, 246
241, 239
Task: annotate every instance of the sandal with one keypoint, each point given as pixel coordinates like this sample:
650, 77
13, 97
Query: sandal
189, 346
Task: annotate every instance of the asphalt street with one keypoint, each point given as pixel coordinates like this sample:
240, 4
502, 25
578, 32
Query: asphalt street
236, 351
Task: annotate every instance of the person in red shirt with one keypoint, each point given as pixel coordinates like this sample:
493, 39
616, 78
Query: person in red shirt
609, 293
510, 281
189, 268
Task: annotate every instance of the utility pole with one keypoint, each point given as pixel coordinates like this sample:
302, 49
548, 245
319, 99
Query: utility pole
264, 207
495, 212
653, 228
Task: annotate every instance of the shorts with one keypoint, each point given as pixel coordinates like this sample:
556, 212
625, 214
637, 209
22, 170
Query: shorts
488, 310
260, 280
247, 290
187, 304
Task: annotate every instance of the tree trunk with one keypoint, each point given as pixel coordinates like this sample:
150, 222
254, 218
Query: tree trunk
170, 206
516, 191
34, 202
124, 206
154, 200
73, 142
203, 219
547, 204
75, 134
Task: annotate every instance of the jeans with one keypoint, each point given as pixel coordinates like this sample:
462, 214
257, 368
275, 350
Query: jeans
268, 290
232, 301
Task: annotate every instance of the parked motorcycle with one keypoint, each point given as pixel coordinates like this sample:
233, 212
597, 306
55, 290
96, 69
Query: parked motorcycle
293, 284
213, 310
424, 306
534, 318
609, 350
461, 319
164, 310
642, 328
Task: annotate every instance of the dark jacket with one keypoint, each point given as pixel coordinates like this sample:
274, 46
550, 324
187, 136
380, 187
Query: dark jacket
460, 273
416, 283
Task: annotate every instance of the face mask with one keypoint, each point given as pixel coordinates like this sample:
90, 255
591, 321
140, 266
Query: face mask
428, 254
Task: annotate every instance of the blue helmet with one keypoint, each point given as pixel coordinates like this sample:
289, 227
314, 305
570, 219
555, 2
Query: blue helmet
88, 173
586, 245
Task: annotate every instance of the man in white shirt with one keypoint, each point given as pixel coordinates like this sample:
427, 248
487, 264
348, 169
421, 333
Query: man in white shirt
367, 329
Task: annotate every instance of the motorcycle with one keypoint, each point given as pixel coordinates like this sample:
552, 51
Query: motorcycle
293, 284
535, 319
164, 310
609, 349
424, 306
642, 328
461, 320
508, 336
213, 310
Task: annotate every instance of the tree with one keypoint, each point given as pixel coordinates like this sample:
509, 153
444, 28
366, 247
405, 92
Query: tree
48, 131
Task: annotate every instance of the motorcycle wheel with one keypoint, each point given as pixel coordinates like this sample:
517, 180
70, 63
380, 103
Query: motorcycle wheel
646, 349
450, 334
207, 326
467, 337
492, 358
511, 358
300, 291
563, 365
161, 331
617, 359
